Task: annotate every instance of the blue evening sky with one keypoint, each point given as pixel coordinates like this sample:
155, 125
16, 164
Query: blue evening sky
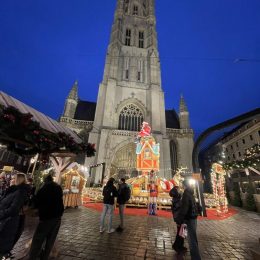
209, 49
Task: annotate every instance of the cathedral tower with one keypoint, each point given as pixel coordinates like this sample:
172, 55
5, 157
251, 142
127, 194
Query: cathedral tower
130, 93
131, 88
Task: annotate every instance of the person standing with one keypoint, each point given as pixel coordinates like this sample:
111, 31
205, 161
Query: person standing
124, 194
49, 201
188, 214
10, 207
178, 244
109, 193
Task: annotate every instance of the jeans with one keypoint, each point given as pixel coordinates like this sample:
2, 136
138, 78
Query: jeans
192, 239
47, 232
121, 213
107, 210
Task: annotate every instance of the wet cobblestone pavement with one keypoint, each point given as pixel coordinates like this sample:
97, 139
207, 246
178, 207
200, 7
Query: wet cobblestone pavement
148, 237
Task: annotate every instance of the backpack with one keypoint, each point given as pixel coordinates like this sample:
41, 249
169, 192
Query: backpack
125, 194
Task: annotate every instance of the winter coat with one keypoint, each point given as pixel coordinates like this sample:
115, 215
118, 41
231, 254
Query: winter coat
188, 209
10, 207
109, 193
49, 201
176, 201
123, 193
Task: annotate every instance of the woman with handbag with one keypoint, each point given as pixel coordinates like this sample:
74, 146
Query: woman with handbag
10, 207
178, 244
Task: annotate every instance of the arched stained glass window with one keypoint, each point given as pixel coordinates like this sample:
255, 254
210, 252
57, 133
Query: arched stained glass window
130, 118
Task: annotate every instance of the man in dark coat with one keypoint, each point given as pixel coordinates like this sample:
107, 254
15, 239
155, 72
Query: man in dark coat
178, 244
188, 214
10, 207
49, 201
109, 193
124, 194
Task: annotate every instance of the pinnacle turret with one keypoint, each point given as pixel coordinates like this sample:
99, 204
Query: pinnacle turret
184, 114
74, 91
183, 106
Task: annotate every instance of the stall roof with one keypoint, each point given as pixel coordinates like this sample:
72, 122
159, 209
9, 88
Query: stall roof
46, 122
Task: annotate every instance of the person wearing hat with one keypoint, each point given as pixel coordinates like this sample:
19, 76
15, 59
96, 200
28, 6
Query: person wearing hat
109, 193
188, 214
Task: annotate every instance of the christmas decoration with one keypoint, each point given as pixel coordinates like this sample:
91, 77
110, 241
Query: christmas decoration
148, 155
251, 159
25, 136
218, 185
73, 183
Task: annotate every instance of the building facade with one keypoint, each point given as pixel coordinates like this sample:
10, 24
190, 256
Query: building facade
233, 147
130, 93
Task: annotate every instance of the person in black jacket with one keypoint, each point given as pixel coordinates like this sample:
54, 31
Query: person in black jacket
124, 194
188, 214
109, 193
49, 201
10, 207
178, 244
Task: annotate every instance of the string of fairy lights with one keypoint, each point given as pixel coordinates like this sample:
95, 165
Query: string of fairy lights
251, 159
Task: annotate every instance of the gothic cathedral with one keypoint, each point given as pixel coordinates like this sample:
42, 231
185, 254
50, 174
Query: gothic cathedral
129, 94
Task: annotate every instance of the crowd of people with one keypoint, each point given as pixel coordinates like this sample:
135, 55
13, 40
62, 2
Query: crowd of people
185, 211
20, 197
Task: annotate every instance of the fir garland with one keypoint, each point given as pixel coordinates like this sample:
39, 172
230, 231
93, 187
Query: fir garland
25, 136
251, 159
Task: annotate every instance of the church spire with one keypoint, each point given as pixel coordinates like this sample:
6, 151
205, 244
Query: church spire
183, 106
184, 115
71, 101
74, 91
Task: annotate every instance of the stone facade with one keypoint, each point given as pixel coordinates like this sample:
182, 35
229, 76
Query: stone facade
130, 93
232, 147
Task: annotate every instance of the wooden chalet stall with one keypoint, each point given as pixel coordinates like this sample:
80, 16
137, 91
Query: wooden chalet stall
73, 182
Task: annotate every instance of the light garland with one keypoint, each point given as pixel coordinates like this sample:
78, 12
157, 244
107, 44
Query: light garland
218, 186
251, 158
